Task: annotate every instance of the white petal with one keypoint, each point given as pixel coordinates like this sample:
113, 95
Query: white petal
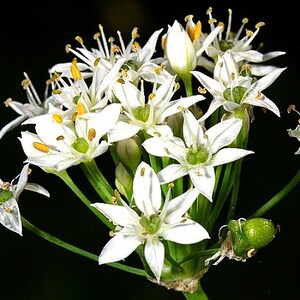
10, 216
146, 189
119, 247
192, 131
227, 155
154, 254
204, 180
34, 187
11, 125
187, 232
223, 133
122, 131
264, 102
214, 105
267, 80
120, 215
171, 173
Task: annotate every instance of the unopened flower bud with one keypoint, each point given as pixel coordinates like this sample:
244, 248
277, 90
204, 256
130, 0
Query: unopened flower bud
129, 152
123, 181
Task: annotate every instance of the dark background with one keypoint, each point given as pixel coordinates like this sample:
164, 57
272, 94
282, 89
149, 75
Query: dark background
33, 35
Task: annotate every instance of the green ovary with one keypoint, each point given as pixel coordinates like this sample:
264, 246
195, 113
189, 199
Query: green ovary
81, 145
5, 195
236, 94
225, 45
151, 224
198, 156
142, 112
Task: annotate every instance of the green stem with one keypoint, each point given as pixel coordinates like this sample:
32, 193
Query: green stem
97, 180
74, 249
279, 196
70, 183
198, 295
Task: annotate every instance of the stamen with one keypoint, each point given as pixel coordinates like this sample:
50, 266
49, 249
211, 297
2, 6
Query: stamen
56, 92
7, 102
151, 96
67, 48
25, 83
74, 70
259, 24
57, 118
79, 40
142, 172
258, 96
80, 108
40, 147
134, 33
60, 138
96, 62
198, 30
91, 134
201, 90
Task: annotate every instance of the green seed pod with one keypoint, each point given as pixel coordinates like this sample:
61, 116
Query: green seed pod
250, 235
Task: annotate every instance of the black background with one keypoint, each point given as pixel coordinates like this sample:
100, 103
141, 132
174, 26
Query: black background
33, 35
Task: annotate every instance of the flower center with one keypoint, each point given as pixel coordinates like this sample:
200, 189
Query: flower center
5, 195
142, 112
236, 94
130, 65
81, 145
225, 45
151, 224
197, 156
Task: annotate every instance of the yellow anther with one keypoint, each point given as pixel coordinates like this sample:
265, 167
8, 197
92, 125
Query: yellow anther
209, 10
171, 185
80, 108
57, 118
115, 48
142, 172
124, 73
232, 76
25, 83
167, 151
245, 20
230, 11
91, 134
259, 24
212, 20
5, 185
291, 108
202, 90
100, 27
54, 77
198, 30
40, 147
136, 46
163, 41
151, 96
121, 80
111, 39
96, 35
56, 92
79, 40
246, 67
177, 86
117, 195
111, 233
74, 70
74, 116
222, 24
60, 138
96, 62
8, 101
67, 48
258, 96
134, 33
157, 70
249, 32
157, 133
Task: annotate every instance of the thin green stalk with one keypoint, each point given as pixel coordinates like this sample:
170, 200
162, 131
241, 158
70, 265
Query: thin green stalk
278, 197
97, 180
70, 183
74, 249
198, 295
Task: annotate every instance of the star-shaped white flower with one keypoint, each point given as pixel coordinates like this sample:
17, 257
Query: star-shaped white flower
198, 153
232, 90
59, 144
9, 195
34, 107
148, 115
155, 221
240, 46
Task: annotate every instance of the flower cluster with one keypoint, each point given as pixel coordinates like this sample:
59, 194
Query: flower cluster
176, 162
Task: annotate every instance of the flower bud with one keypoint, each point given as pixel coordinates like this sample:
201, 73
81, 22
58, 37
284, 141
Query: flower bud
129, 152
179, 50
123, 181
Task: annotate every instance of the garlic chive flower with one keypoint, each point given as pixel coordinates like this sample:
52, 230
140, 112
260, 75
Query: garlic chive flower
151, 223
58, 145
140, 113
9, 196
232, 90
198, 153
294, 132
34, 107
240, 45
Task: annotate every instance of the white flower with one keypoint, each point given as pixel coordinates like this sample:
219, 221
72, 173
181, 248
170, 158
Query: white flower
9, 195
199, 153
139, 114
295, 133
139, 61
59, 145
240, 46
232, 91
155, 222
34, 107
